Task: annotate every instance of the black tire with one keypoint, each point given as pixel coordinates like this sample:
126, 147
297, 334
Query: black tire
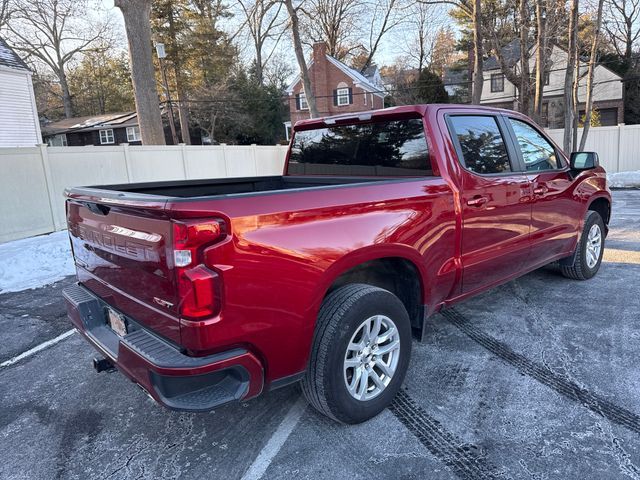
341, 314
580, 270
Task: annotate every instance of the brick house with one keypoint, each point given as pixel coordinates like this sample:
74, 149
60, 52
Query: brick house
337, 88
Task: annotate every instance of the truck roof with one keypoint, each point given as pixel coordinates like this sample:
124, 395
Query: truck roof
389, 113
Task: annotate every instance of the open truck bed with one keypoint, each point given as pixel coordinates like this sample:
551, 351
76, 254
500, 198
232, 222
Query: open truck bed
227, 186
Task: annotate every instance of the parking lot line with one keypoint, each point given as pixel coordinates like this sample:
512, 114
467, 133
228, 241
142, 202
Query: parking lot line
37, 349
275, 443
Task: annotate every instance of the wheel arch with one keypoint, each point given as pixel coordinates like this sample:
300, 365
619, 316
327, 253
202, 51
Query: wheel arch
396, 268
602, 205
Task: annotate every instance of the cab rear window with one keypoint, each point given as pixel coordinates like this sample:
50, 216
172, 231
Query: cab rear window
393, 148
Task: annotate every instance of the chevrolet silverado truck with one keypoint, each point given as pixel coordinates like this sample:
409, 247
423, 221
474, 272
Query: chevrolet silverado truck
208, 291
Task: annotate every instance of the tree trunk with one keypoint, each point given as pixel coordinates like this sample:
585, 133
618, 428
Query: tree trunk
136, 15
525, 71
576, 100
66, 94
183, 113
592, 66
304, 72
569, 77
541, 59
478, 75
183, 109
259, 69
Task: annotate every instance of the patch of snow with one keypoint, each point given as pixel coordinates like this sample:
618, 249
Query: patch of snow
624, 179
35, 262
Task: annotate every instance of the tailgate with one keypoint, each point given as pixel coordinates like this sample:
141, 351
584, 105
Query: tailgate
122, 253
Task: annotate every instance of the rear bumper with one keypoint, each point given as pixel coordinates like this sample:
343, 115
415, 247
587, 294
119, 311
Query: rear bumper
175, 380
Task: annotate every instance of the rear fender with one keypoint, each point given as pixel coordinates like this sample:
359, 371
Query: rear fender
358, 257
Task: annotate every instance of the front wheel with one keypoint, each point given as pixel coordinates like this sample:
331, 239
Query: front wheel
360, 353
589, 251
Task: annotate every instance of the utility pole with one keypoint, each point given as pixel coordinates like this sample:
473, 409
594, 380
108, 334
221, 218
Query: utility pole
162, 54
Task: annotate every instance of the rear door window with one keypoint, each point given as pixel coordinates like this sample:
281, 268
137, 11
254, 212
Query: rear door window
392, 148
481, 143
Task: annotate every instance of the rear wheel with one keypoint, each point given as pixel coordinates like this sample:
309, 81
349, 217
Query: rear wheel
360, 353
589, 251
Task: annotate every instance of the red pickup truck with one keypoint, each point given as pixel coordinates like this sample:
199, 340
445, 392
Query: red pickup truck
208, 291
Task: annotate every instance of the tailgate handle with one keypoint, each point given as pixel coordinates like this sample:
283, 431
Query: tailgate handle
97, 208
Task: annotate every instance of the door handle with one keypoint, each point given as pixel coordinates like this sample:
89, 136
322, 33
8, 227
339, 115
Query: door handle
477, 201
541, 190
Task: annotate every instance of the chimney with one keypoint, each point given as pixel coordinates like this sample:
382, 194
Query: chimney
319, 51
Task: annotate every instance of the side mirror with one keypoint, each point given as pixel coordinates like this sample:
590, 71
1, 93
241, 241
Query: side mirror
584, 160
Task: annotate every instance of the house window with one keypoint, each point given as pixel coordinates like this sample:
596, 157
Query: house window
302, 102
106, 136
547, 77
59, 140
342, 95
497, 82
133, 134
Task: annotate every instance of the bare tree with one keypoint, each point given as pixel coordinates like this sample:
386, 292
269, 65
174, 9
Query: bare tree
592, 65
264, 23
55, 32
420, 33
5, 12
137, 24
302, 64
338, 23
570, 77
525, 73
622, 26
541, 48
473, 10
386, 15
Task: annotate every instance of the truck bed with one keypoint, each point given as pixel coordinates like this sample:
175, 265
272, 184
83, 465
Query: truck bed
231, 186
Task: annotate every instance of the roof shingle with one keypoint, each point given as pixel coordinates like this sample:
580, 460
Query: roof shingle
9, 58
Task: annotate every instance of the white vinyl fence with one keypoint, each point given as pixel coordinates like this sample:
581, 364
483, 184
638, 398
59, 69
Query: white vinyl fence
618, 147
32, 180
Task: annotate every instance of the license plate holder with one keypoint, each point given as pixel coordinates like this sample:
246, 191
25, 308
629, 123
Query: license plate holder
117, 322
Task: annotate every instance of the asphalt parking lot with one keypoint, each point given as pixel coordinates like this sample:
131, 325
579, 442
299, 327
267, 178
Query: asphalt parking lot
536, 379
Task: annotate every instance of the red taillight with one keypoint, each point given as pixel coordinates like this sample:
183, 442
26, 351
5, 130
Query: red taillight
199, 287
195, 234
199, 290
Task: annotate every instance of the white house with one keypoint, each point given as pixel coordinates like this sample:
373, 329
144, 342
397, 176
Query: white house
607, 91
19, 125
